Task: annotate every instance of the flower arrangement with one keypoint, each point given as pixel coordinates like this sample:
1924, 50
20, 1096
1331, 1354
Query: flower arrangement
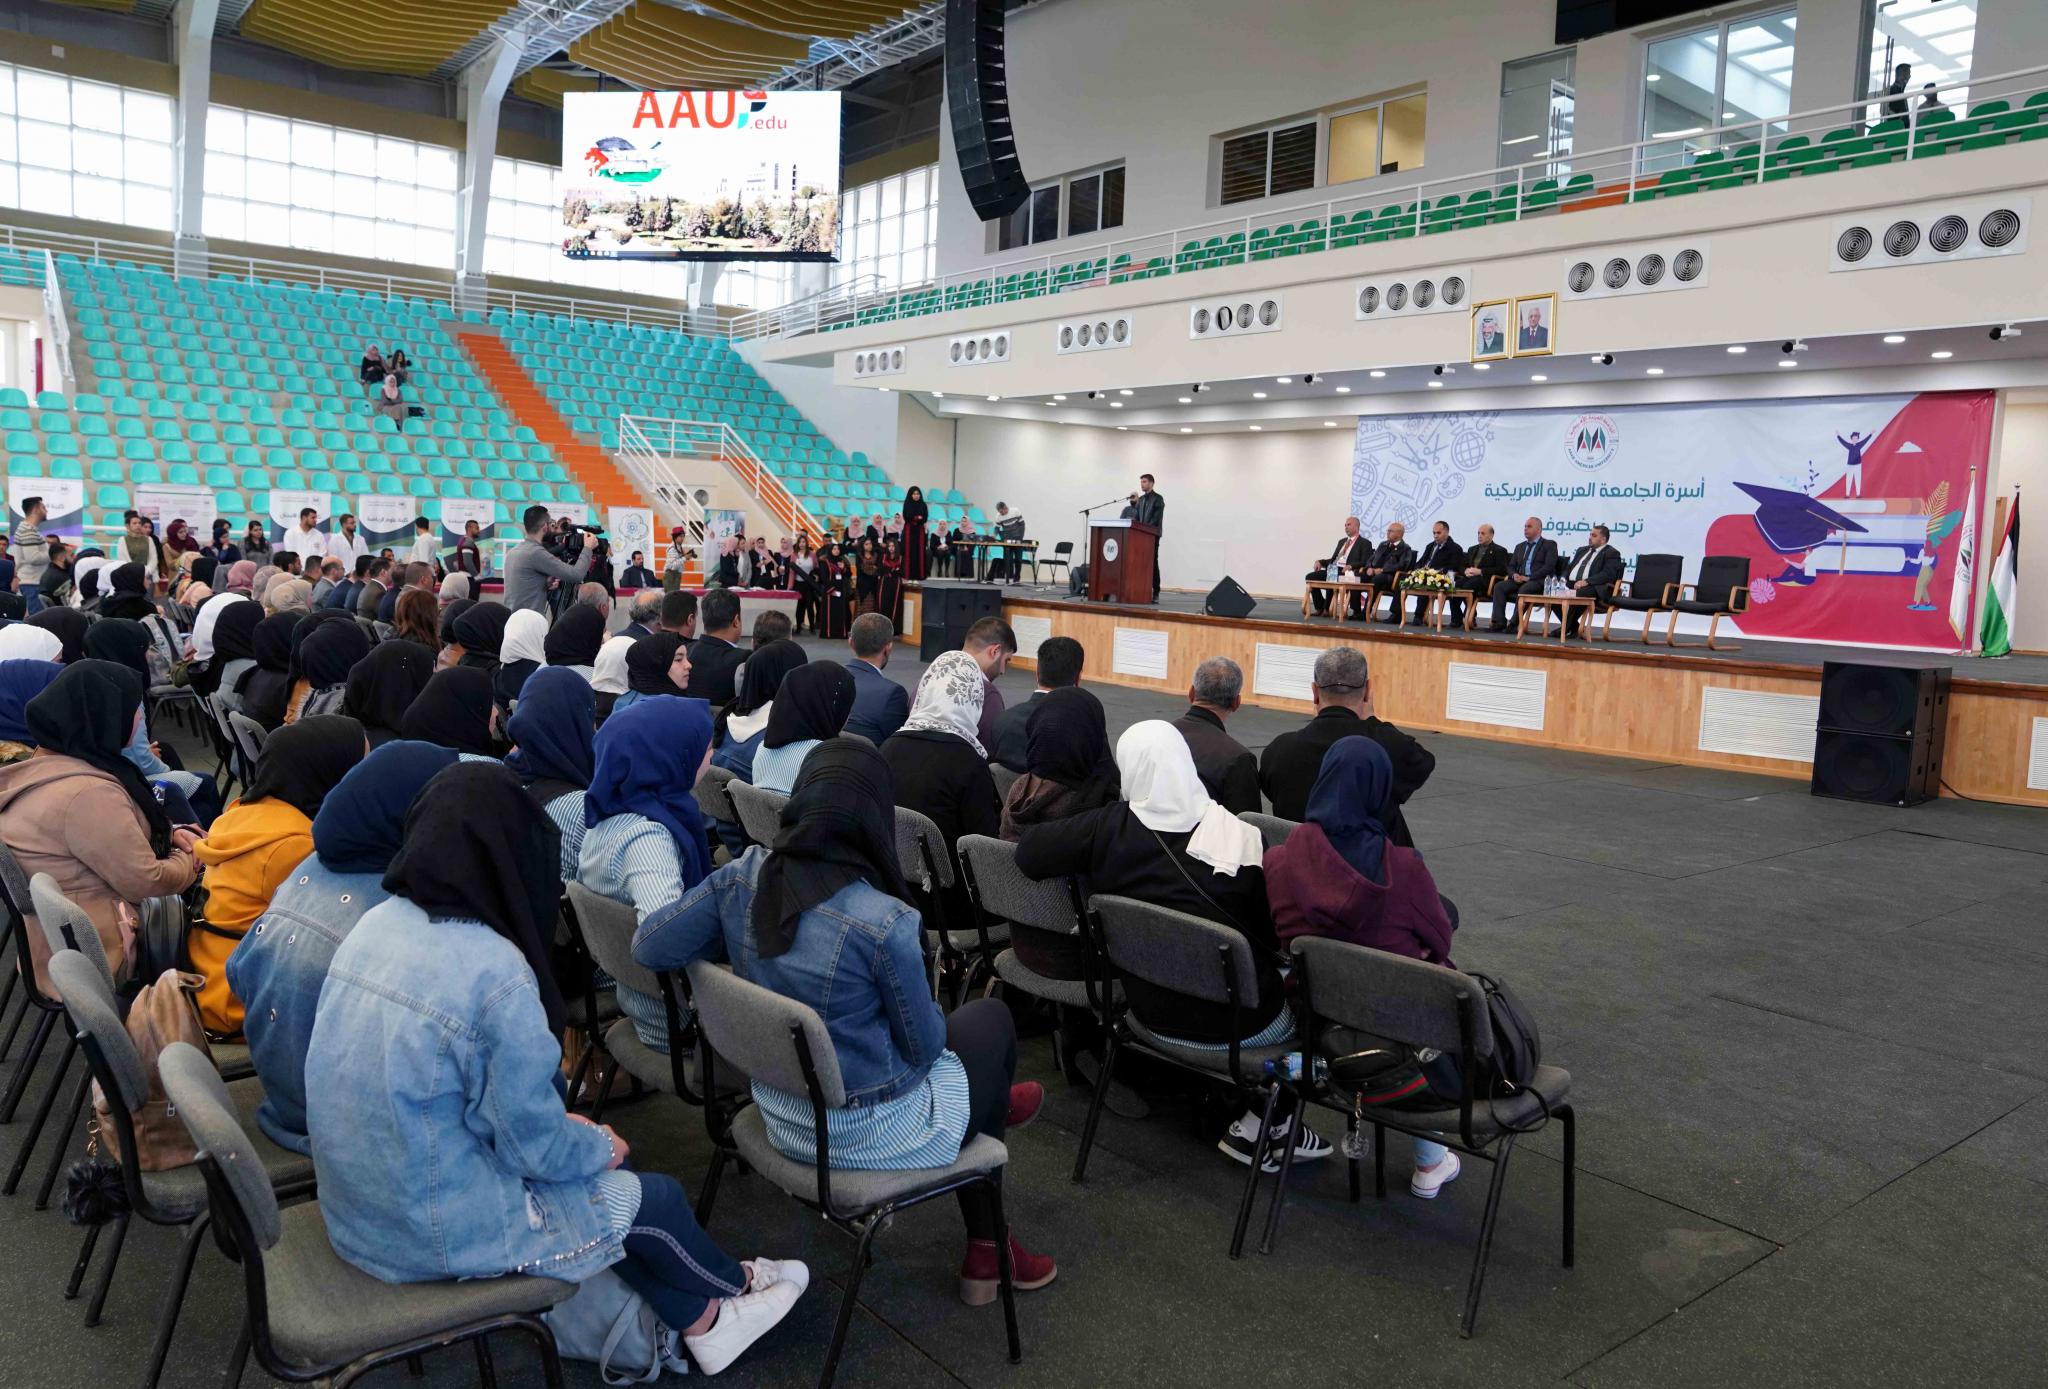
1428, 581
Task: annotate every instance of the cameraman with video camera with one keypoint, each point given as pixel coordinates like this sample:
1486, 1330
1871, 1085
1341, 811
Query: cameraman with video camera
534, 562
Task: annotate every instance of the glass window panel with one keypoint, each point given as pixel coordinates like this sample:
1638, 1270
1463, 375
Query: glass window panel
149, 207
96, 154
499, 256
48, 146
916, 188
224, 129
45, 190
1045, 213
1680, 84
395, 201
1756, 80
270, 138
397, 159
1294, 159
96, 106
96, 199
436, 167
148, 116
268, 223
355, 194
10, 186
148, 162
1112, 197
351, 233
892, 197
1401, 132
268, 183
312, 145
311, 230
394, 241
435, 209
223, 217
355, 152
1015, 229
45, 96
313, 188
1354, 145
892, 237
7, 147
6, 89
1084, 204
1244, 167
536, 184
1536, 109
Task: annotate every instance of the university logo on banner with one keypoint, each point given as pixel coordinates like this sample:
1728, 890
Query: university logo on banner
164, 504
286, 506
1591, 441
63, 500
578, 512
458, 512
385, 519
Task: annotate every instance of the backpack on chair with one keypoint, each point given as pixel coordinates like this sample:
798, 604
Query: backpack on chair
609, 1325
164, 1012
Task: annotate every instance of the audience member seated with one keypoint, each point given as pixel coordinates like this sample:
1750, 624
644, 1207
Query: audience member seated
481, 633
374, 367
656, 665
679, 614
267, 689
22, 678
880, 705
326, 657
68, 626
824, 919
1595, 568
646, 845
940, 769
1228, 771
445, 989
416, 617
609, 676
1069, 771
384, 684
227, 672
991, 643
1533, 564
455, 710
742, 724
1339, 875
524, 651
1169, 844
715, 656
1342, 692
811, 707
638, 575
258, 842
278, 968
1059, 665
80, 811
552, 752
645, 615
370, 597
574, 641
126, 643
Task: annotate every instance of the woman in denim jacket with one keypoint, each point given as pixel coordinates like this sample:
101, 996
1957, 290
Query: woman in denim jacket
278, 968
822, 919
443, 1147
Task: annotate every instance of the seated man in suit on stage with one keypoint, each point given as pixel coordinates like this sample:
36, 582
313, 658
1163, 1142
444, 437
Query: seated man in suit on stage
1342, 692
1534, 562
1383, 571
1350, 554
1594, 571
1226, 767
1484, 563
1442, 554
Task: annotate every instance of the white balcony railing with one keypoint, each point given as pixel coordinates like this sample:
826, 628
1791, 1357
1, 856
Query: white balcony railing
657, 454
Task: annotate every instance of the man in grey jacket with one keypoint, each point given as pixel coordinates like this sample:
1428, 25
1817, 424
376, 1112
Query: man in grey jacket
529, 567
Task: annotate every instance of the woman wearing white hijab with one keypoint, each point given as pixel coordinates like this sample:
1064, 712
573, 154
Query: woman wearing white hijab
91, 564
199, 645
1171, 845
20, 641
608, 676
521, 652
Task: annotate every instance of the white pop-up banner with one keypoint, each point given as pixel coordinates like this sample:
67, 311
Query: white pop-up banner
63, 499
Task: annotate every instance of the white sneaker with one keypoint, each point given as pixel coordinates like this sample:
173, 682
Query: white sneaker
1427, 1182
741, 1322
768, 1272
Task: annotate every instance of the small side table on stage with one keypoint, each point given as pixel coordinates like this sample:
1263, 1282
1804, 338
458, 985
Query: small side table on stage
1557, 604
1337, 589
990, 553
1435, 603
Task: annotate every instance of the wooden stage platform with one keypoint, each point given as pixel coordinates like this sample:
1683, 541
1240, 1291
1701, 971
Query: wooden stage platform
1752, 709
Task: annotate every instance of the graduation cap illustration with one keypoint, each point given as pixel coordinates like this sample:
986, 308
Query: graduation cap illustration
1792, 522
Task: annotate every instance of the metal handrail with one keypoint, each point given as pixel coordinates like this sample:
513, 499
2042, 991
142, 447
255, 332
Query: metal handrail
841, 303
60, 322
1602, 177
648, 444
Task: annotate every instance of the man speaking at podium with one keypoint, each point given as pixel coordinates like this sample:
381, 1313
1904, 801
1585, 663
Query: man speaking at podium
1148, 508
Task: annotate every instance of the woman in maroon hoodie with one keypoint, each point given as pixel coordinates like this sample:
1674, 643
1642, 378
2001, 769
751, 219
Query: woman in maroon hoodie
1337, 875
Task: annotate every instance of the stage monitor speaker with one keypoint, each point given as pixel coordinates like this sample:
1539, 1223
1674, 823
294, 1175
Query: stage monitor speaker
1228, 599
1880, 732
947, 610
978, 97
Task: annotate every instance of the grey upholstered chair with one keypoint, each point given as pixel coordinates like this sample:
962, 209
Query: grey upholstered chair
1352, 989
311, 1315
760, 812
963, 950
712, 797
1201, 960
1002, 894
784, 1044
48, 1010
1271, 828
176, 1196
1004, 779
249, 740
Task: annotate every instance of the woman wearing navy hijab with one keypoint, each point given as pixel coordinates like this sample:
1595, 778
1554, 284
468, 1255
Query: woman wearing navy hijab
278, 968
552, 732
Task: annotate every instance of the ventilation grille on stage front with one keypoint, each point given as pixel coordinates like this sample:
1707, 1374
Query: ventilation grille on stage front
881, 361
1093, 334
1645, 269
1422, 291
1229, 318
1934, 232
978, 99
979, 349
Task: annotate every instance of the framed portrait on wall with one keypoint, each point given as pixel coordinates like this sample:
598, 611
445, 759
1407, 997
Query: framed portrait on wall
1492, 325
1534, 330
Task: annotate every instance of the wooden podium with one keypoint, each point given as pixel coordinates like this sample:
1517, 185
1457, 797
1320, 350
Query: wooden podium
1121, 553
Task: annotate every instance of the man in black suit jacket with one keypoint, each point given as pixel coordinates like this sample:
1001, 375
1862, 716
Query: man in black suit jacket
1059, 665
715, 657
1350, 554
1484, 563
1343, 697
1148, 508
880, 705
1593, 572
1442, 554
1225, 766
1534, 561
1394, 557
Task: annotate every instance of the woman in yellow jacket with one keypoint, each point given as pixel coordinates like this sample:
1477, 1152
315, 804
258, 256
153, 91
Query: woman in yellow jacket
256, 843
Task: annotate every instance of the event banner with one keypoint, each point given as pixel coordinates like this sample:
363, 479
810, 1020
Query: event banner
700, 175
63, 498
1857, 514
286, 506
163, 504
458, 512
629, 528
386, 520
579, 512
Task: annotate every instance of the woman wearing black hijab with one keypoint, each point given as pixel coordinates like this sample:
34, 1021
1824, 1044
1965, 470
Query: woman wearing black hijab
324, 660
736, 734
120, 640
455, 710
481, 633
451, 645
383, 685
1068, 766
130, 592
784, 918
811, 706
268, 688
575, 639
651, 668
68, 625
234, 642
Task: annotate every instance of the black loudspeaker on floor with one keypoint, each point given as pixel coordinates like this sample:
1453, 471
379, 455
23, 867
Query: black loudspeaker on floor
1880, 732
1229, 599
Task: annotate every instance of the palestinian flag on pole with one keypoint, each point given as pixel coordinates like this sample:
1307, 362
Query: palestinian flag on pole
2005, 569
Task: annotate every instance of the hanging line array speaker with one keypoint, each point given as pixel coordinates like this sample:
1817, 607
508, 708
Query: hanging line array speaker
978, 96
